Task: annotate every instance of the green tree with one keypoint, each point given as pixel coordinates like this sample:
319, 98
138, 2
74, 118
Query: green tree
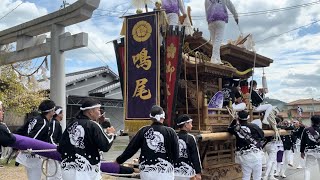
19, 96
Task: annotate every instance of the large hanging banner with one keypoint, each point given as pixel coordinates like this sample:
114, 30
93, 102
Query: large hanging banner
142, 66
173, 58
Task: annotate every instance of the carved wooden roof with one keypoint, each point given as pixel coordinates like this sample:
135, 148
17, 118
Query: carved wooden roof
240, 58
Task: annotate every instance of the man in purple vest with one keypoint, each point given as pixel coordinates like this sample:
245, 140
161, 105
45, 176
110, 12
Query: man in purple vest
173, 8
217, 17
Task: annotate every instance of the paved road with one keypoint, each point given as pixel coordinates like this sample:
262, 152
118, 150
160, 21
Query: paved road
292, 173
298, 174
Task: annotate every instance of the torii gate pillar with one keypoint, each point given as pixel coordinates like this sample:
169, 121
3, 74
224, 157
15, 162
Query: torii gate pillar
31, 43
57, 70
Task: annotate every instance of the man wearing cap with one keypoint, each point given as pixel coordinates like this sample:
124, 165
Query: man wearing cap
188, 164
248, 146
37, 128
55, 133
81, 142
310, 145
159, 148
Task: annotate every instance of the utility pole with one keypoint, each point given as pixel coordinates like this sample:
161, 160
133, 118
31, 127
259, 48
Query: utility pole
64, 4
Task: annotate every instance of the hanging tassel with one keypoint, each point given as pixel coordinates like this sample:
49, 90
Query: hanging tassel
264, 82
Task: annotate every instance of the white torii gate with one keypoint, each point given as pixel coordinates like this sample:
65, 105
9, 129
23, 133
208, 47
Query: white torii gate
32, 43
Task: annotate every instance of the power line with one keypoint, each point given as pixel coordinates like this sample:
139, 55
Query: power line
11, 11
273, 36
105, 56
114, 7
97, 55
200, 17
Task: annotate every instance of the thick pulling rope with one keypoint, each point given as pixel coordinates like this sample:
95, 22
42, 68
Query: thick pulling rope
122, 175
39, 150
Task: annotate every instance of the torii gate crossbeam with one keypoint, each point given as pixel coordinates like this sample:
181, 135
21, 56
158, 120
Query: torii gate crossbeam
31, 43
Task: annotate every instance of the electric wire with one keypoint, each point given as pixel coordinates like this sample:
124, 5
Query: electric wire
11, 11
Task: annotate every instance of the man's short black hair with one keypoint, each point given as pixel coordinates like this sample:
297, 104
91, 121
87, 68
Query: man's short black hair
315, 119
46, 105
156, 110
243, 115
253, 83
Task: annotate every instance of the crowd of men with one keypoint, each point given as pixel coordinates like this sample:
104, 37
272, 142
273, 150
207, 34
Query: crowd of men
165, 154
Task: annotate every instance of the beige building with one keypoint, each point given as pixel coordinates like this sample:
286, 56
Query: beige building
309, 107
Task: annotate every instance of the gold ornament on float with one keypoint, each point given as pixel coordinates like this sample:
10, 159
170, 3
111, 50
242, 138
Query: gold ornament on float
141, 31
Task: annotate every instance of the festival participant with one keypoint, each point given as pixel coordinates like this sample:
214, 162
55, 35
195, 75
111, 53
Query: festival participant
55, 133
238, 104
6, 138
228, 92
217, 17
81, 141
159, 148
188, 164
287, 147
310, 145
37, 128
297, 133
55, 130
257, 97
248, 146
271, 149
173, 8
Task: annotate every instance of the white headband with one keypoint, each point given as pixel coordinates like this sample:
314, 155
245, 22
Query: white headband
158, 116
58, 111
90, 107
184, 122
52, 109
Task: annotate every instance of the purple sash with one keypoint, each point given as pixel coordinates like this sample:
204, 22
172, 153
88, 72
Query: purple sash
24, 143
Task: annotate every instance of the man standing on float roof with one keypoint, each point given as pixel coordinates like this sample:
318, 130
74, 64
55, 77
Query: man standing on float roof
173, 9
217, 17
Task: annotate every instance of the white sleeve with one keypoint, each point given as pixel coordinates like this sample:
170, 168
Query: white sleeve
232, 9
206, 5
181, 7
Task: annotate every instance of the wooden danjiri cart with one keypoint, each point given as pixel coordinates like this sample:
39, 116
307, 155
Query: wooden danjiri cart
177, 74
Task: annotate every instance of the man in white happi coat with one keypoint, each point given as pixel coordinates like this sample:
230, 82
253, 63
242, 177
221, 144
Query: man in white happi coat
310, 146
248, 146
36, 128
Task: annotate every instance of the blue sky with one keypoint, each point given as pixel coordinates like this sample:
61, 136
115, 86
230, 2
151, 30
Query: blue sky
296, 54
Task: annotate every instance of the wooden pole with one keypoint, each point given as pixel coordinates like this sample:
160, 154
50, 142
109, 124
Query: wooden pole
220, 136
